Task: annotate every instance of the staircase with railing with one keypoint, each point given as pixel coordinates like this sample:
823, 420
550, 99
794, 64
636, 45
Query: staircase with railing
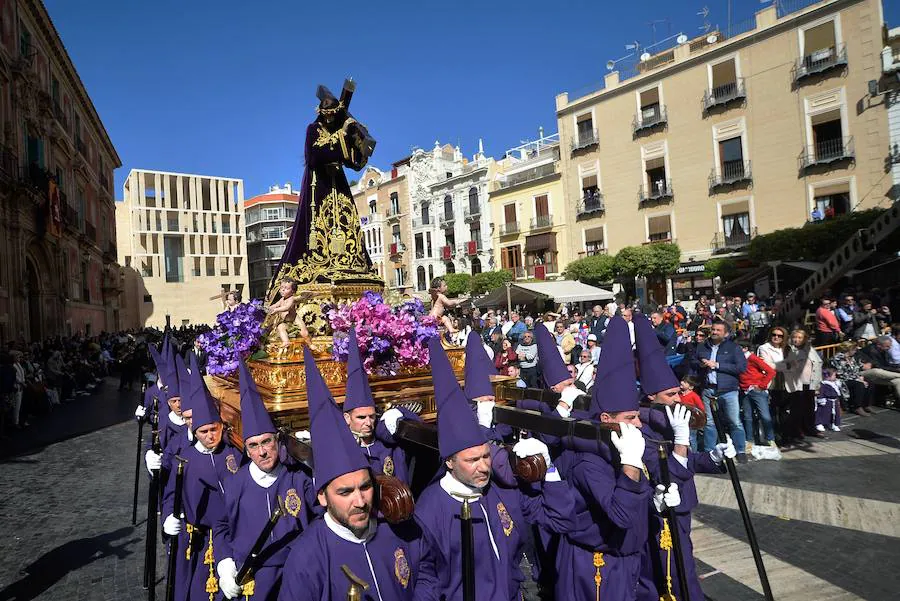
850, 254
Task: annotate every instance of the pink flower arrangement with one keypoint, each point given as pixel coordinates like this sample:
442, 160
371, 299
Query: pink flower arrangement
389, 338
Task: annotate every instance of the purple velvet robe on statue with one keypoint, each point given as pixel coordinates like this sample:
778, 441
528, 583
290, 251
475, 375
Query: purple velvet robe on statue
323, 173
248, 507
313, 568
508, 512
203, 504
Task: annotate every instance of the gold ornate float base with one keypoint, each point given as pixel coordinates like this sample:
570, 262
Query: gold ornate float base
282, 385
309, 309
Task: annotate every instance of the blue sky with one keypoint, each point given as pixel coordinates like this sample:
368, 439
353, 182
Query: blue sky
226, 87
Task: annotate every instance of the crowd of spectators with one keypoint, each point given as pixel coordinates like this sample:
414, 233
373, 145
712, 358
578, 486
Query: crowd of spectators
775, 386
37, 377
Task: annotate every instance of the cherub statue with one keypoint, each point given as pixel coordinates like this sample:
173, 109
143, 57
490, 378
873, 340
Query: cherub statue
284, 313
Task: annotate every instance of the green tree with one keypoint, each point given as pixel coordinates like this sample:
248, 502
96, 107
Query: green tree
593, 270
722, 267
648, 260
814, 241
489, 280
457, 283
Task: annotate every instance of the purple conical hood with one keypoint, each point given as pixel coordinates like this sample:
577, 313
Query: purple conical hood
552, 365
359, 393
615, 388
203, 406
255, 419
479, 369
335, 451
183, 378
457, 427
656, 375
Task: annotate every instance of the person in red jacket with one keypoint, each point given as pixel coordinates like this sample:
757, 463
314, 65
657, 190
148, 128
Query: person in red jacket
754, 383
689, 397
828, 330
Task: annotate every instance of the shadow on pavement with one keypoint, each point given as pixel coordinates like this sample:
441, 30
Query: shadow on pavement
882, 439
54, 565
107, 406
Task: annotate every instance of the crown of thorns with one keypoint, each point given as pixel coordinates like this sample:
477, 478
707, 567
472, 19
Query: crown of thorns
331, 111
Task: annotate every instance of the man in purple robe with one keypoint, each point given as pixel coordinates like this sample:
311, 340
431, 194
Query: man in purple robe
209, 463
499, 515
145, 407
359, 413
171, 424
351, 534
601, 556
252, 496
660, 384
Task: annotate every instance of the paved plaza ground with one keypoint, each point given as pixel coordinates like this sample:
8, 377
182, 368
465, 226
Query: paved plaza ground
827, 516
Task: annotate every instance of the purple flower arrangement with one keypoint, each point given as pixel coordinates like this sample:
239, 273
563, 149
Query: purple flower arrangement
236, 336
390, 338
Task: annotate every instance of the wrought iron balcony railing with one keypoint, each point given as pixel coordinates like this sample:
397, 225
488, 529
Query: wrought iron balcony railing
648, 120
820, 61
591, 203
509, 228
585, 139
826, 151
659, 191
729, 174
722, 95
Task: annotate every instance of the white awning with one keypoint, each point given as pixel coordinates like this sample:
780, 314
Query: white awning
561, 291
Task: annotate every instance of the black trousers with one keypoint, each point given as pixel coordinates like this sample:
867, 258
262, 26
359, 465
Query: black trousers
860, 394
802, 420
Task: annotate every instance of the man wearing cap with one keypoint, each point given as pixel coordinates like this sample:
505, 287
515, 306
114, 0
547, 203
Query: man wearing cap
499, 515
601, 556
385, 556
659, 383
251, 496
382, 452
210, 462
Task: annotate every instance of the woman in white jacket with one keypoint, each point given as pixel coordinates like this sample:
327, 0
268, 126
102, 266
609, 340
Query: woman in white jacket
802, 378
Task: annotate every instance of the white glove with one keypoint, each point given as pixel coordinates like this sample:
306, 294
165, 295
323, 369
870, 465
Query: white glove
563, 410
303, 435
630, 444
485, 410
663, 500
140, 411
723, 450
227, 571
153, 461
391, 418
532, 446
820, 402
680, 418
569, 394
172, 525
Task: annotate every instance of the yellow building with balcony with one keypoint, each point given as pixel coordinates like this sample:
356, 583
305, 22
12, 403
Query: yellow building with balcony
528, 211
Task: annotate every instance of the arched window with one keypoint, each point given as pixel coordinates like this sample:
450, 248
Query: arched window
473, 200
420, 278
430, 273
448, 207
476, 266
451, 268
425, 209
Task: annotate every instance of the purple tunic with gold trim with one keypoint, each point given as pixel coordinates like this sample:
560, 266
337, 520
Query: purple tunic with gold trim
498, 520
203, 503
610, 531
386, 460
388, 562
248, 507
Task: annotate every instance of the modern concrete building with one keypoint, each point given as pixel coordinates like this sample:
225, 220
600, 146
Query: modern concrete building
182, 242
710, 141
400, 212
268, 216
58, 272
528, 210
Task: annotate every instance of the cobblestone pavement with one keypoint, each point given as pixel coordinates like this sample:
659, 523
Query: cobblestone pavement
826, 516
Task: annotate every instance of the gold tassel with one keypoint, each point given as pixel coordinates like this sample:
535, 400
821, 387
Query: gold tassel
248, 589
598, 563
665, 543
190, 531
212, 585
